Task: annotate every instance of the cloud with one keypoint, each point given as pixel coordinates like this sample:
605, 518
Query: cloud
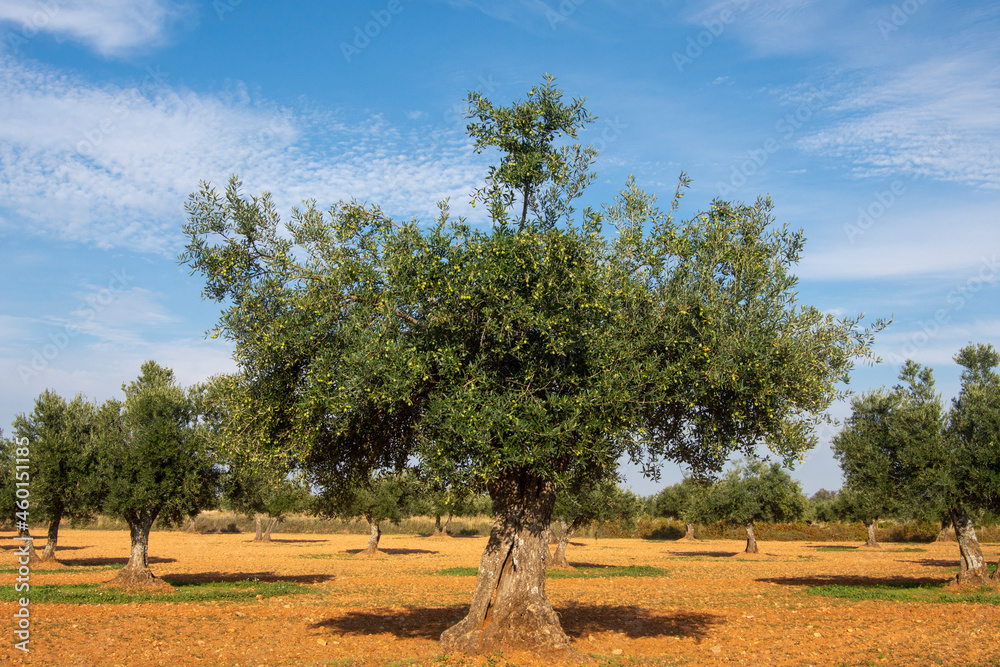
112, 166
936, 119
109, 27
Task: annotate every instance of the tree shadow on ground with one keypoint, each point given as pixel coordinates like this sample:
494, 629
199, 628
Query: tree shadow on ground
395, 552
412, 623
582, 619
279, 540
933, 562
852, 580
578, 620
40, 544
710, 554
89, 562
265, 577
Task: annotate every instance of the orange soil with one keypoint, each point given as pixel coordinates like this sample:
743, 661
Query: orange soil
715, 606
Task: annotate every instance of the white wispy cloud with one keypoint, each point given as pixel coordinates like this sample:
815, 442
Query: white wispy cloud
112, 166
110, 27
935, 118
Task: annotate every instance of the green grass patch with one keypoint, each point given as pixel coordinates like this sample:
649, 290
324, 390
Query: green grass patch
575, 573
836, 548
225, 591
907, 550
906, 591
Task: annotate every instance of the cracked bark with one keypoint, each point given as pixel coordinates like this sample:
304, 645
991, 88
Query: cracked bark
509, 608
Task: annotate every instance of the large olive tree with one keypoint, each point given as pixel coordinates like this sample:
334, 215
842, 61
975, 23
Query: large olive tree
522, 356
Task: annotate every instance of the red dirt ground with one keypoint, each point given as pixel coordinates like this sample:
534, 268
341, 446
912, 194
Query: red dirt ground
715, 605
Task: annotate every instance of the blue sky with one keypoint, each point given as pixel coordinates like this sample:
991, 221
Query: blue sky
874, 126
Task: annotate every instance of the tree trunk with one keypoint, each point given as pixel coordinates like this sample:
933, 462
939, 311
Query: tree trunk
689, 532
51, 540
439, 530
136, 572
509, 608
270, 525
973, 565
258, 531
751, 539
373, 539
559, 559
33, 556
872, 542
947, 532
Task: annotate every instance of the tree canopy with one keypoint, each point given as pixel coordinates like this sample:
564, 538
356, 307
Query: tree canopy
153, 460
517, 358
62, 461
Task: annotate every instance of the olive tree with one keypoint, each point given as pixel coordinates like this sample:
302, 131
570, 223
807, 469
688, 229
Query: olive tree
588, 502
384, 497
61, 465
678, 501
153, 461
755, 491
522, 356
866, 451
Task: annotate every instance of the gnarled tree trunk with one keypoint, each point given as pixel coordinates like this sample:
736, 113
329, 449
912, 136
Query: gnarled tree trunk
373, 538
270, 525
689, 532
872, 542
947, 533
51, 540
136, 572
973, 565
509, 608
258, 529
559, 558
751, 539
439, 530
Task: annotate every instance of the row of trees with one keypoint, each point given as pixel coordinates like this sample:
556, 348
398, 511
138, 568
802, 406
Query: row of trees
140, 460
158, 456
902, 451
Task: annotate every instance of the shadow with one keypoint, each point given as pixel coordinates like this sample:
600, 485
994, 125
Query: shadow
583, 619
933, 562
590, 566
265, 577
153, 560
40, 544
710, 554
278, 540
395, 552
851, 580
413, 623
578, 620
